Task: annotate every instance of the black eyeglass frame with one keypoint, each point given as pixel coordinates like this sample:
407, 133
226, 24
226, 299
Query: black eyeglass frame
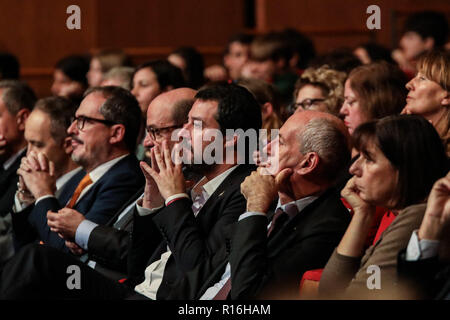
81, 121
157, 131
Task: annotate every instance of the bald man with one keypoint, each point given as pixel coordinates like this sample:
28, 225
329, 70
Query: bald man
107, 245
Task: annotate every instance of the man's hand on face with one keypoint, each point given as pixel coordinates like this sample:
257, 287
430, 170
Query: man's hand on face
152, 196
167, 175
38, 175
64, 222
260, 190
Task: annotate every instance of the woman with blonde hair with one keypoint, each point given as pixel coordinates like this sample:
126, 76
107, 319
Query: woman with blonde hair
320, 89
429, 93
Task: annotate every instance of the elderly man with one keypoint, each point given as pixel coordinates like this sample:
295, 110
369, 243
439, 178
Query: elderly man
103, 138
270, 252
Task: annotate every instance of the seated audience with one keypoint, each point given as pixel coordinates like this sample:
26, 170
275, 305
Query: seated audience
16, 102
319, 89
423, 31
103, 137
104, 61
266, 96
341, 59
270, 55
190, 61
429, 93
370, 52
425, 262
69, 78
386, 174
275, 242
118, 76
235, 56
149, 80
302, 48
107, 245
190, 228
372, 91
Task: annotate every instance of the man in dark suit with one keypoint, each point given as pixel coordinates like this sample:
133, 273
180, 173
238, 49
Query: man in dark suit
424, 264
189, 230
16, 102
46, 132
103, 137
266, 261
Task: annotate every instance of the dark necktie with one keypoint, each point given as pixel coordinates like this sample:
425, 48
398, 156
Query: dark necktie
279, 219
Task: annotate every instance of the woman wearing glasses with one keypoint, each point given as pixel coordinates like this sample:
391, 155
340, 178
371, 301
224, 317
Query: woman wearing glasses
320, 89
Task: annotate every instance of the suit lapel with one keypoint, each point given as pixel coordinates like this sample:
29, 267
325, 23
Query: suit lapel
128, 214
221, 191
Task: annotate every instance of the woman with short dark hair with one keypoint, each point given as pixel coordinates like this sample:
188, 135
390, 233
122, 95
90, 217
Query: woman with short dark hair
400, 157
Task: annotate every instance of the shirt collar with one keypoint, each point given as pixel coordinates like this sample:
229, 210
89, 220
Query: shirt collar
98, 172
8, 163
210, 186
66, 177
300, 203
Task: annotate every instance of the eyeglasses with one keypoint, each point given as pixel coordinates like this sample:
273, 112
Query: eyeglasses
81, 120
305, 104
157, 133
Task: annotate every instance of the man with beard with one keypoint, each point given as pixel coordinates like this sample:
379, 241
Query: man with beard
191, 230
104, 135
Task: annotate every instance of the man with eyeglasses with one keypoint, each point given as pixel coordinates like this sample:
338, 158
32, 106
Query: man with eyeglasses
107, 245
103, 138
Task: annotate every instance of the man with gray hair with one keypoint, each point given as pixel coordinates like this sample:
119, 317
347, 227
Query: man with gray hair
270, 250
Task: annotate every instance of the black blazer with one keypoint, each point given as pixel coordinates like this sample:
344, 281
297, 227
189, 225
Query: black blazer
192, 240
272, 267
99, 204
23, 231
8, 186
429, 277
108, 245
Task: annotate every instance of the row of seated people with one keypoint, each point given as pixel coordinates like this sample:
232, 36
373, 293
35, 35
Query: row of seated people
215, 242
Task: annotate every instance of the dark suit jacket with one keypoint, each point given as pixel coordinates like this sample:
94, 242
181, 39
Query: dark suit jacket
99, 204
271, 267
8, 186
191, 239
108, 245
24, 232
430, 278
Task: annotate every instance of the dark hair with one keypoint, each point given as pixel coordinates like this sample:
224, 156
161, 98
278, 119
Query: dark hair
194, 66
237, 107
166, 74
60, 110
429, 24
271, 46
121, 107
377, 52
300, 45
74, 67
17, 95
341, 59
413, 147
9, 66
381, 89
